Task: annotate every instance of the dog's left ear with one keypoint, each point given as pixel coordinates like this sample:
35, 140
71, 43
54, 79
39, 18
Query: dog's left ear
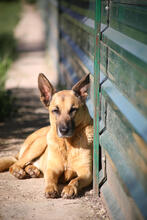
46, 89
81, 87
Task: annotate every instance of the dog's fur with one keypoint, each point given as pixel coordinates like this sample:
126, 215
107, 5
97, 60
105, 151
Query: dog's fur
62, 149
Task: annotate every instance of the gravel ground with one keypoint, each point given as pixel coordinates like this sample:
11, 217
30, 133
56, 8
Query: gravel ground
24, 199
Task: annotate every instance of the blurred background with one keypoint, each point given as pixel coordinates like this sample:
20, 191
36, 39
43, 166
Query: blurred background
23, 50
10, 13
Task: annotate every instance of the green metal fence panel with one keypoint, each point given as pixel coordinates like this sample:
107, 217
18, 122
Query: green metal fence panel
76, 26
124, 107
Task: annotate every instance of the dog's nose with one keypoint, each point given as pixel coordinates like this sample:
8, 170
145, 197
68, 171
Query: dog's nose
64, 129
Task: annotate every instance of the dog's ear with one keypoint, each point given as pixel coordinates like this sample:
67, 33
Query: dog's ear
46, 89
81, 87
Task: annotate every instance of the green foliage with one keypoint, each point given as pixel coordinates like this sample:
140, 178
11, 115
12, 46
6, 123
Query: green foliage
6, 101
9, 16
4, 64
31, 1
7, 46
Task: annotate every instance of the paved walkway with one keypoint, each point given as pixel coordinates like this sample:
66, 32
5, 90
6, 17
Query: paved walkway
24, 199
31, 45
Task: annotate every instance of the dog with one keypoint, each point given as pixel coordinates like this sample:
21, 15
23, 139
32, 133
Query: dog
63, 149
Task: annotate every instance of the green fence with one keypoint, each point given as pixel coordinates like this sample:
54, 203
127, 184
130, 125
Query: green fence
124, 106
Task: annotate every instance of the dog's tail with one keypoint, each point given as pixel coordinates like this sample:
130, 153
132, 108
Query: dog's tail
6, 162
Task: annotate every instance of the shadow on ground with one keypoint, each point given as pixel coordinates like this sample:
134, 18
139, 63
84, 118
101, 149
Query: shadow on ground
30, 115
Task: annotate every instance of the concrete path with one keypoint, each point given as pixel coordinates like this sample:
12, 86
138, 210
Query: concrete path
24, 199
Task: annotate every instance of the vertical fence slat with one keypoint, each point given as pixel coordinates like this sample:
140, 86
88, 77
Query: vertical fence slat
96, 96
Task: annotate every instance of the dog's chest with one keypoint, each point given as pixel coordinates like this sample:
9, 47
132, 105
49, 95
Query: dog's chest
71, 154
64, 152
67, 152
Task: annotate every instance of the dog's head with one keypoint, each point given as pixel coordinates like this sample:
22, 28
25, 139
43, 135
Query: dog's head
66, 107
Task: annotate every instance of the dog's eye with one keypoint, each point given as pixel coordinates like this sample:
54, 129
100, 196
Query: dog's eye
56, 111
72, 110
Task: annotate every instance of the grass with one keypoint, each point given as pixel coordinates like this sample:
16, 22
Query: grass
9, 16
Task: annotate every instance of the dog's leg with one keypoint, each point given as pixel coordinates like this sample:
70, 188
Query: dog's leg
52, 173
67, 176
32, 152
51, 180
84, 179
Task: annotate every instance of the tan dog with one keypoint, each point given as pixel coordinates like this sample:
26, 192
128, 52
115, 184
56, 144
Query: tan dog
62, 149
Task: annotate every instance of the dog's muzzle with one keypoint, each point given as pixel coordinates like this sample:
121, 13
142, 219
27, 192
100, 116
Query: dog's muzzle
65, 130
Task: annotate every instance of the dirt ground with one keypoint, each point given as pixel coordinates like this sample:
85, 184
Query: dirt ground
24, 199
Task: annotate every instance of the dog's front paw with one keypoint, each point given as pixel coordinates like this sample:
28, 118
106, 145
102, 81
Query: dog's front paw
33, 171
69, 192
17, 171
51, 191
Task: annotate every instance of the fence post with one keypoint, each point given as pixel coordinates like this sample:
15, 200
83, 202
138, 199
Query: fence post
96, 97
